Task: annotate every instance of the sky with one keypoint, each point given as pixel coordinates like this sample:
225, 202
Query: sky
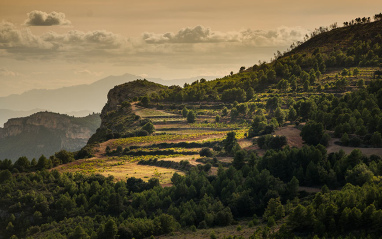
52, 44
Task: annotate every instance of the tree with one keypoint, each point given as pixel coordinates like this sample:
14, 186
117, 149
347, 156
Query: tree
5, 175
149, 127
273, 103
283, 85
230, 142
217, 119
79, 233
110, 230
22, 164
64, 156
185, 112
345, 139
292, 114
293, 84
271, 76
225, 111
355, 72
306, 85
191, 117
234, 94
359, 175
239, 159
234, 113
250, 93
312, 132
43, 162
145, 101
376, 139
205, 152
360, 83
279, 115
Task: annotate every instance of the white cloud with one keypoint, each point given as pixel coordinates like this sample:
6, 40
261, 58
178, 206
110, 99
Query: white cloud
198, 45
198, 34
201, 34
39, 18
22, 43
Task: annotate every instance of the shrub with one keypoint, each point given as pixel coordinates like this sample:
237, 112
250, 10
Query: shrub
191, 117
205, 152
149, 127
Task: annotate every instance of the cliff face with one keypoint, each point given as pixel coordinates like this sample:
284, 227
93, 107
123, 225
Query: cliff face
46, 131
53, 121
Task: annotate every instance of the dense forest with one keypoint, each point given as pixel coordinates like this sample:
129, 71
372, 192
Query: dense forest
246, 176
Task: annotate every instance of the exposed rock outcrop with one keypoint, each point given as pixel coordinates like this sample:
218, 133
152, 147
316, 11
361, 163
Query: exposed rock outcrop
49, 132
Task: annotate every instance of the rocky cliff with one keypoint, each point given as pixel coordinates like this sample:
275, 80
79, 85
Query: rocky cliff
45, 133
117, 117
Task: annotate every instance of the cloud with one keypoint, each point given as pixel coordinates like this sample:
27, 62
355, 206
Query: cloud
198, 34
12, 38
22, 43
201, 34
39, 18
6, 72
195, 45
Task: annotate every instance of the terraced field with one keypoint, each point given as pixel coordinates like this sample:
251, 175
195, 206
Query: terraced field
153, 149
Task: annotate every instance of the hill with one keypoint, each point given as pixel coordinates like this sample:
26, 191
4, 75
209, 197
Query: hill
45, 133
337, 38
286, 149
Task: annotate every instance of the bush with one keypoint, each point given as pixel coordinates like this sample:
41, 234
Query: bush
191, 117
149, 127
312, 132
355, 141
141, 133
205, 152
271, 142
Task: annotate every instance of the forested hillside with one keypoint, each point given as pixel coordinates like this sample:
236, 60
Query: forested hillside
286, 149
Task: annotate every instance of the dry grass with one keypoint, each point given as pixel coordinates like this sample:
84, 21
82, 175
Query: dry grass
293, 135
119, 169
145, 172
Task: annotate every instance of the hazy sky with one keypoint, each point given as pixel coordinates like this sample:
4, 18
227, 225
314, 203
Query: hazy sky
50, 44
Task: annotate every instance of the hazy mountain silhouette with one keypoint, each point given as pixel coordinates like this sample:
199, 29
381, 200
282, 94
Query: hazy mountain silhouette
77, 100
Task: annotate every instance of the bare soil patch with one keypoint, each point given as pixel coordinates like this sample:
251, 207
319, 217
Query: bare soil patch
333, 148
293, 135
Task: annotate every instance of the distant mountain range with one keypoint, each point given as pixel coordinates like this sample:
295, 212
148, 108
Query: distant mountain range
79, 100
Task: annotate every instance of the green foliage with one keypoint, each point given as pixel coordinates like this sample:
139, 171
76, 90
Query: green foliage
149, 127
145, 101
376, 139
271, 142
230, 142
191, 116
312, 132
235, 94
205, 152
239, 159
185, 112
